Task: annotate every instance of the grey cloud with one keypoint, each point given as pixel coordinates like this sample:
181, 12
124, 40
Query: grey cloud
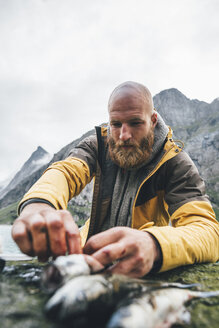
60, 60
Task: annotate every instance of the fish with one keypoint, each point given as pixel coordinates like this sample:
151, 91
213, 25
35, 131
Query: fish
94, 297
81, 296
157, 309
65, 268
62, 269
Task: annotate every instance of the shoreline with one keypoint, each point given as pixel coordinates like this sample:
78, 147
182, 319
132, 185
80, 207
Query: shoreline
15, 257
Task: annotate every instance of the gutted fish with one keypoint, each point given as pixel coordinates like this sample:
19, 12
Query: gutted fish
84, 296
156, 309
64, 268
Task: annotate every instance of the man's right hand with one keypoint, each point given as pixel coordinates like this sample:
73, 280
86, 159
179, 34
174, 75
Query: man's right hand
43, 231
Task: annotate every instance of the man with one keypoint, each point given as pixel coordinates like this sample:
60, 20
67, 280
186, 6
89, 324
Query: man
143, 181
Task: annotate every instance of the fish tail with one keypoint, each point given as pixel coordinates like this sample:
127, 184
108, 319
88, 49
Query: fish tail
207, 294
165, 283
179, 285
161, 284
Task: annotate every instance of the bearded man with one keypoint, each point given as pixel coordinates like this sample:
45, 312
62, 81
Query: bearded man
149, 212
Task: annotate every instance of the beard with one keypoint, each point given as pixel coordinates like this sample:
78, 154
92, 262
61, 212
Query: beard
135, 155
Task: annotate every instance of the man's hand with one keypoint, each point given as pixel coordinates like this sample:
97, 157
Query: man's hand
43, 231
136, 251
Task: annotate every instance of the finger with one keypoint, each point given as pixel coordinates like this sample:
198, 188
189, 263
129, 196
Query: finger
93, 263
72, 233
127, 266
103, 239
56, 233
38, 231
133, 266
22, 237
111, 253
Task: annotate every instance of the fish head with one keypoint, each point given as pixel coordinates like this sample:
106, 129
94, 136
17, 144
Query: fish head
62, 270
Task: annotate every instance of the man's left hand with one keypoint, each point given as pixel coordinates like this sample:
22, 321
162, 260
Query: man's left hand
134, 251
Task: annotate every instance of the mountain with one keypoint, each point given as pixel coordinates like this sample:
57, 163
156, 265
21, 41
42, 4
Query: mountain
38, 158
15, 194
195, 122
187, 117
5, 182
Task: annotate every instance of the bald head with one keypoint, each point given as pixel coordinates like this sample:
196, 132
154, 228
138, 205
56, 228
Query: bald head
132, 120
131, 91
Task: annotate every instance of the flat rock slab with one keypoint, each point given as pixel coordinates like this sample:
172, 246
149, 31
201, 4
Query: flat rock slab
22, 300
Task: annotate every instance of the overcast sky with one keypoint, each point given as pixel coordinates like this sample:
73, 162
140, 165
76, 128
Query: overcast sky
60, 60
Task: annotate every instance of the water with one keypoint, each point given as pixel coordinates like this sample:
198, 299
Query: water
8, 248
7, 243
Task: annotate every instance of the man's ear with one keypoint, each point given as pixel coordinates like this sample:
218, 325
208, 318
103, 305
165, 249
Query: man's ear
154, 119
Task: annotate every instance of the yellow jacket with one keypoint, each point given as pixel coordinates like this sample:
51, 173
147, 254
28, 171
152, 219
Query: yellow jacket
170, 201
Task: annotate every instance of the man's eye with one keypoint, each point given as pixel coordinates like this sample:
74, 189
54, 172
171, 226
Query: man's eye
116, 124
135, 123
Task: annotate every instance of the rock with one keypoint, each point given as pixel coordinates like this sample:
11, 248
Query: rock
21, 300
2, 264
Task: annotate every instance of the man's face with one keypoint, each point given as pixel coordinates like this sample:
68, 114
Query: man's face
131, 129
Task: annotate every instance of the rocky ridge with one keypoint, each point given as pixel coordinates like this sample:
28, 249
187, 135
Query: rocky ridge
38, 158
196, 123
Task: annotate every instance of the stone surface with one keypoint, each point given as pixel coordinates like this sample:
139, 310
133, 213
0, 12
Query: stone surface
22, 299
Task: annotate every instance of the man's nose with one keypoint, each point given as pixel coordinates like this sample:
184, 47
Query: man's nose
125, 133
